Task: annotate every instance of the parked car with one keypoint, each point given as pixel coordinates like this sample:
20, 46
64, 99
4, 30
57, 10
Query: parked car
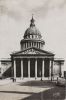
61, 81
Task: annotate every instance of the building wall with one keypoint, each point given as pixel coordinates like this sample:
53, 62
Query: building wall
56, 69
5, 68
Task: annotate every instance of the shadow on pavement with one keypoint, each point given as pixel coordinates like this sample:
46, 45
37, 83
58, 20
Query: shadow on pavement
54, 93
39, 84
51, 94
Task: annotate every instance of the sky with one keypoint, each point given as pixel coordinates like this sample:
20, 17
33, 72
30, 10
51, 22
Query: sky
50, 19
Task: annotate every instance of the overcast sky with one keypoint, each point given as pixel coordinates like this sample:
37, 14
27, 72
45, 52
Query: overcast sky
50, 19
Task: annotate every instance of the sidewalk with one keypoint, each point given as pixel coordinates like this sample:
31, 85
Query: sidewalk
19, 80
5, 81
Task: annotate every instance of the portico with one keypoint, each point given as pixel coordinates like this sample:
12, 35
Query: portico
33, 67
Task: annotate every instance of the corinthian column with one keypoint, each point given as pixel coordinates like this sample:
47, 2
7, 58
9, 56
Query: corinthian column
21, 68
36, 69
28, 68
42, 69
51, 70
14, 70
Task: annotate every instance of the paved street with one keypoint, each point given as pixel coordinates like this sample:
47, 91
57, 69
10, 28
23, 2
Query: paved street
31, 90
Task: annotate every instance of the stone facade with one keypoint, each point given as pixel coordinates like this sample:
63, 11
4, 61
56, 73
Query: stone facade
32, 60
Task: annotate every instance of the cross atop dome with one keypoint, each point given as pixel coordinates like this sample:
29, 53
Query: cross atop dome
32, 22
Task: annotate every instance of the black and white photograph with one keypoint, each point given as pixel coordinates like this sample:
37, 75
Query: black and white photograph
32, 49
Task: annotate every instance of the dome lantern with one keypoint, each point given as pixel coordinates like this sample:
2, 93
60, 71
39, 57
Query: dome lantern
32, 22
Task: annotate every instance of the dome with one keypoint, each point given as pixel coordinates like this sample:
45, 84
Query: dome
32, 30
32, 37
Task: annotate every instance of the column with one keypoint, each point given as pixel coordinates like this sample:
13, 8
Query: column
0, 69
42, 68
36, 44
31, 44
14, 70
39, 44
35, 68
60, 73
51, 70
23, 46
21, 68
26, 44
28, 68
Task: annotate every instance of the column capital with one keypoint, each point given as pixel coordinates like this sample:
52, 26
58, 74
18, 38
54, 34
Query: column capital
36, 58
28, 59
21, 58
14, 58
43, 59
52, 59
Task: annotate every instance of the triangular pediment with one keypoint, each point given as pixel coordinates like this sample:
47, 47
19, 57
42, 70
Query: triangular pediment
33, 51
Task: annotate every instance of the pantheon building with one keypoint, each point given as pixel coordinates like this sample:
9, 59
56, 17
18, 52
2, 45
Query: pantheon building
32, 61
